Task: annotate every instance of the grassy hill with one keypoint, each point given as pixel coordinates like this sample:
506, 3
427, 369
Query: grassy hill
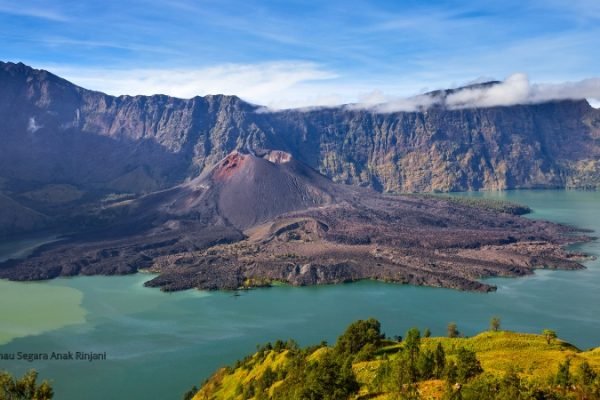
506, 365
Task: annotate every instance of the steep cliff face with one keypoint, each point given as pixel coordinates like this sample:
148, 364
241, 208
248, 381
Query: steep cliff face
535, 146
53, 132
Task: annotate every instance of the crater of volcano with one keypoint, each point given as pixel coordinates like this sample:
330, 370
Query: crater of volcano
260, 217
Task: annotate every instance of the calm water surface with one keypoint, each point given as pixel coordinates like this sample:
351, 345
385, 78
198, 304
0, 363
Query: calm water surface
159, 345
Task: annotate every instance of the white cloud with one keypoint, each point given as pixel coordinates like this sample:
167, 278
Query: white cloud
594, 103
57, 41
516, 89
275, 84
379, 102
290, 84
36, 12
587, 88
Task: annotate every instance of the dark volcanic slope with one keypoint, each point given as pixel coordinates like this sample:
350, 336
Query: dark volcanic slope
253, 219
53, 132
248, 190
240, 191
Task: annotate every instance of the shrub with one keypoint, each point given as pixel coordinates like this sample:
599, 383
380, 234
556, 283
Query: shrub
357, 335
453, 330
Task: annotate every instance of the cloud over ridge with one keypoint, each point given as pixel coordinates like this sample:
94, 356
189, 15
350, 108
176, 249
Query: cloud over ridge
515, 89
305, 85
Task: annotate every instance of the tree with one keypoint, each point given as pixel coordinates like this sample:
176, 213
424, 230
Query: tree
427, 333
44, 391
426, 365
549, 334
453, 389
367, 353
495, 324
453, 330
189, 395
404, 374
329, 379
268, 378
25, 388
297, 372
563, 376
451, 372
439, 358
412, 345
279, 346
467, 365
249, 390
586, 374
589, 383
357, 335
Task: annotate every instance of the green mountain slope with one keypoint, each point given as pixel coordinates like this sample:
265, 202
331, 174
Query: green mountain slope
364, 365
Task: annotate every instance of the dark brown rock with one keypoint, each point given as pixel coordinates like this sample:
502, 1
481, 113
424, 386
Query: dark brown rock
251, 220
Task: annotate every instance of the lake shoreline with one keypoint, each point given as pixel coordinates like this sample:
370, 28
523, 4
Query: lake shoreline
186, 336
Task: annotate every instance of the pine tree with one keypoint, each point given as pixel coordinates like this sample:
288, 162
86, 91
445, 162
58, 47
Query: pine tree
412, 345
439, 358
426, 365
453, 330
563, 376
495, 324
467, 365
549, 334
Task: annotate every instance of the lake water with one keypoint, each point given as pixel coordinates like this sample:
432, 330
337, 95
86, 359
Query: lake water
158, 345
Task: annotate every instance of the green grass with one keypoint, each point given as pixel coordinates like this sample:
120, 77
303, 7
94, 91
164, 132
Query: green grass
498, 351
224, 383
531, 355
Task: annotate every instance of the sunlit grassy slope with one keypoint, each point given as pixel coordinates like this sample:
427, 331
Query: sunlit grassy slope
531, 355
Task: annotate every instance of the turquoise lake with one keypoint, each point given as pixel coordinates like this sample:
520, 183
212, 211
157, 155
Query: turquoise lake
158, 345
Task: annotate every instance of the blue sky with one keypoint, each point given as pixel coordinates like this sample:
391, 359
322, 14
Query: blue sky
294, 53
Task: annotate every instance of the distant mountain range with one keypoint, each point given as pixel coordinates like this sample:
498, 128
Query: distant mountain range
53, 132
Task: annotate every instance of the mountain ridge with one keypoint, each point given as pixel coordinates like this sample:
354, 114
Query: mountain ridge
55, 133
171, 140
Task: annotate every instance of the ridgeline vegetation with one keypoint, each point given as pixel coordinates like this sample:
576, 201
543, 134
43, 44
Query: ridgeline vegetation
364, 364
24, 388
